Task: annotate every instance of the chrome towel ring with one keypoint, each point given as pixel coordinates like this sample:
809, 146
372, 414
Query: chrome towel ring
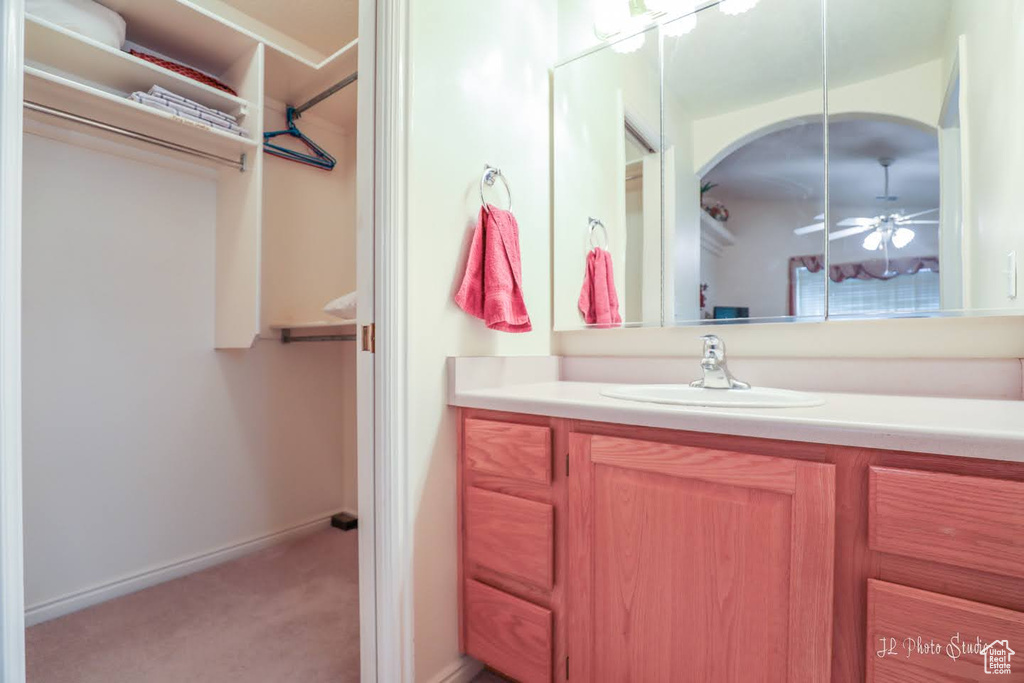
491, 174
594, 224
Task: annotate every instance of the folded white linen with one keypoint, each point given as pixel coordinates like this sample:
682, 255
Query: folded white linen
343, 307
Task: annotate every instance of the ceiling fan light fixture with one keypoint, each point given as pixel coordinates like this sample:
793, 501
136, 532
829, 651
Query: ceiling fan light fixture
902, 237
873, 242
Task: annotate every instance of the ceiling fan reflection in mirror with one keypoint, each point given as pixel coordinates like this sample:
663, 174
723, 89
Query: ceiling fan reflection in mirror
883, 230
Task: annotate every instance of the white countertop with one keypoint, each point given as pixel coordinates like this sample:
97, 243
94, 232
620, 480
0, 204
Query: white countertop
974, 428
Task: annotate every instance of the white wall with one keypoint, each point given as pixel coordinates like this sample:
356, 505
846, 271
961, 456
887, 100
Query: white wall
479, 93
143, 445
991, 109
309, 255
308, 225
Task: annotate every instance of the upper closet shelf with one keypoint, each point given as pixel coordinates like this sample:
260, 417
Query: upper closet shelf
58, 92
54, 49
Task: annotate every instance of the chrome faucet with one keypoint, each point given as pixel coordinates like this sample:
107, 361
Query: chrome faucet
716, 371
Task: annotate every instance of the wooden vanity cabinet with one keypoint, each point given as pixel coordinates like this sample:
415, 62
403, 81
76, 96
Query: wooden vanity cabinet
595, 552
688, 559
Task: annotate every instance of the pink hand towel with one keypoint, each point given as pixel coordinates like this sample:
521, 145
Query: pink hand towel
492, 288
599, 302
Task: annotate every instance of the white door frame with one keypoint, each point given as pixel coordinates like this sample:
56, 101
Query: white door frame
386, 462
365, 365
12, 588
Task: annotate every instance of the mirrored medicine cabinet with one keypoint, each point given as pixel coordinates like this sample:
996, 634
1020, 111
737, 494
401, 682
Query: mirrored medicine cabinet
793, 160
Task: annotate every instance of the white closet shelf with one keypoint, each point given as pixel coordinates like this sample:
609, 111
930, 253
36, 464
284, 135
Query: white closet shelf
58, 92
54, 49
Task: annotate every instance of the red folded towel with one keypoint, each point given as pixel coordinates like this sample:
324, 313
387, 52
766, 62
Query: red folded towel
599, 302
492, 288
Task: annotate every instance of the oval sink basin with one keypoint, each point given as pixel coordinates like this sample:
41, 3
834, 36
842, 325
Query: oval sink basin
684, 395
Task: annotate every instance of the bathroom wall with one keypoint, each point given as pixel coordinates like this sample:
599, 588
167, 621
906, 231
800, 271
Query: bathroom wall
309, 256
145, 447
479, 93
992, 108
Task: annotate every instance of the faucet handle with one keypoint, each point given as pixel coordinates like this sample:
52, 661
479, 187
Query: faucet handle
714, 347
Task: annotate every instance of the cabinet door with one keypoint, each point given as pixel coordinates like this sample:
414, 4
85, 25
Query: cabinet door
919, 637
690, 564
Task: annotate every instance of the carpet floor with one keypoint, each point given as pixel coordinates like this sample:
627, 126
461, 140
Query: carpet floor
286, 613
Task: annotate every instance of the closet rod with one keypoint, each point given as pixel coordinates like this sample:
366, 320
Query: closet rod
142, 137
340, 85
287, 338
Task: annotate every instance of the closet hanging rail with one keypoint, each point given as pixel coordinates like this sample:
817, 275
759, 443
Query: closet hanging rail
340, 85
142, 137
288, 338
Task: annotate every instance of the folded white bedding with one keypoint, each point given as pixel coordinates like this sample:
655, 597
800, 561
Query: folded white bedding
343, 307
86, 17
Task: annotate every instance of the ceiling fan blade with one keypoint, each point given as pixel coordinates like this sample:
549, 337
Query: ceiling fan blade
849, 232
856, 221
917, 222
808, 229
915, 215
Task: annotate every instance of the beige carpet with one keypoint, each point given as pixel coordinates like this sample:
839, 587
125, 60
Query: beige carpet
287, 613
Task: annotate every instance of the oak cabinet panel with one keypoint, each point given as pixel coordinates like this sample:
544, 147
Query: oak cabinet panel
915, 636
507, 633
972, 522
516, 451
511, 536
692, 560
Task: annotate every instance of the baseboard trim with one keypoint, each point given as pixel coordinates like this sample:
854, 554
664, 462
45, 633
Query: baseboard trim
462, 671
72, 602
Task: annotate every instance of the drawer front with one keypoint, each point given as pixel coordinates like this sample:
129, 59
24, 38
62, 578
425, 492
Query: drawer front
968, 522
509, 450
900, 617
508, 634
511, 536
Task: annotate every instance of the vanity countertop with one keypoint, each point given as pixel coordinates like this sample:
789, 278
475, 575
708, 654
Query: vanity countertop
976, 428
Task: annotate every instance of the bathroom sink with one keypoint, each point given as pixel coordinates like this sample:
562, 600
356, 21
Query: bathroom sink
685, 395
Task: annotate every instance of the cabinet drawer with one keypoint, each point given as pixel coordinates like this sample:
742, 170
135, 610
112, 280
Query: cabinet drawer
510, 450
508, 634
968, 522
511, 536
900, 617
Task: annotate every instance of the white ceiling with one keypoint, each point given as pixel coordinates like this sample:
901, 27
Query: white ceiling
324, 25
774, 50
788, 166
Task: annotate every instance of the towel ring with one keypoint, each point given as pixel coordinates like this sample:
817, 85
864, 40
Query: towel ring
595, 223
490, 175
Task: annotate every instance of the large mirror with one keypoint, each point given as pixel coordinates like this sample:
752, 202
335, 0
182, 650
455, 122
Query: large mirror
925, 161
607, 141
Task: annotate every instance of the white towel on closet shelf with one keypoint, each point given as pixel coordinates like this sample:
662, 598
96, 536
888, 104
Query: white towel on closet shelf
343, 307
166, 94
155, 102
85, 17
158, 98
